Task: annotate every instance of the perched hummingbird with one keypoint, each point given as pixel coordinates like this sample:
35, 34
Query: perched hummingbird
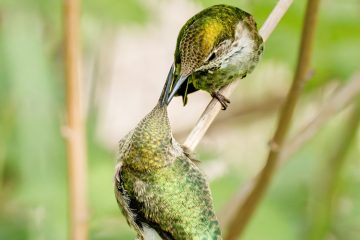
213, 48
159, 188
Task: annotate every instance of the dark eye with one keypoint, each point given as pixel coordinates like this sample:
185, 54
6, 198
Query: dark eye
211, 57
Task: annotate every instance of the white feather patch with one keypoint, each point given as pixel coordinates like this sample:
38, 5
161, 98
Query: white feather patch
150, 234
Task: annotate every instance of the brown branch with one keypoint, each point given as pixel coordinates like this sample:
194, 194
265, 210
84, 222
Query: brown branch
75, 130
245, 211
248, 108
334, 104
214, 107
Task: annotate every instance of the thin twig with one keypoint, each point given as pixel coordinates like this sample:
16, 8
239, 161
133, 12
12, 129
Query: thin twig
245, 211
261, 108
214, 107
337, 102
75, 131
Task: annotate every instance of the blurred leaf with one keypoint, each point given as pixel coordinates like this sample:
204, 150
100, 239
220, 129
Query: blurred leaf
116, 11
38, 146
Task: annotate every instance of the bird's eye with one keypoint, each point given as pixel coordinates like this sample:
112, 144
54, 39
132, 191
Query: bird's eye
211, 57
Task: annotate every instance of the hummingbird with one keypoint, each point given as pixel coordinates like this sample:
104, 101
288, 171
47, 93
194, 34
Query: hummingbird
214, 47
158, 186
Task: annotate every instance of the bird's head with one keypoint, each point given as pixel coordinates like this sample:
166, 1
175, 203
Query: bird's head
204, 42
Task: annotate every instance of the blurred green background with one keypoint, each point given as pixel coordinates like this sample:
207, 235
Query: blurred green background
33, 172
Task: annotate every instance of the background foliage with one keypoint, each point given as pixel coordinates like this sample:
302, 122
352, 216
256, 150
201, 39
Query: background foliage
33, 185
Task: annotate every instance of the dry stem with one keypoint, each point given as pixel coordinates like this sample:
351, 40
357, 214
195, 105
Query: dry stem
246, 209
75, 130
335, 104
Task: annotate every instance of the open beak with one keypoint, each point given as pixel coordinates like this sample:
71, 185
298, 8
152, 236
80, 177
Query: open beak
177, 86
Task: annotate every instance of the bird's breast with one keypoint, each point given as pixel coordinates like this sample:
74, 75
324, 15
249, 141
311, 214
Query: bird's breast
237, 61
243, 53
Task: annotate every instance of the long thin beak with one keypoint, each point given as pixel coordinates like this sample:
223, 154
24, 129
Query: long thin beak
166, 89
177, 86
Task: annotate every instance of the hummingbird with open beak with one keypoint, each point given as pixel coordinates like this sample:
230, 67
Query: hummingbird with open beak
214, 47
159, 188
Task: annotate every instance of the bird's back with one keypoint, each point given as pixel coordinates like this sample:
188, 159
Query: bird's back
175, 201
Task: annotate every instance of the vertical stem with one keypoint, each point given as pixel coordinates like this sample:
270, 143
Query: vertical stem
75, 134
245, 211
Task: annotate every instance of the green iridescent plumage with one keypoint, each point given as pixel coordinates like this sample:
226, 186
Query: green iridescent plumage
158, 186
213, 48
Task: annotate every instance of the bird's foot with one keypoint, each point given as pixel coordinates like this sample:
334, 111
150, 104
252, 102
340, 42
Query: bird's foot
223, 100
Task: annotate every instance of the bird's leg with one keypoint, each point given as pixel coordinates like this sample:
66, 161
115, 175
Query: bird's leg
223, 100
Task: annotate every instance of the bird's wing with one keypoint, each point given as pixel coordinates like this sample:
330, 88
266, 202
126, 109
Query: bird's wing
175, 201
124, 201
143, 221
131, 208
